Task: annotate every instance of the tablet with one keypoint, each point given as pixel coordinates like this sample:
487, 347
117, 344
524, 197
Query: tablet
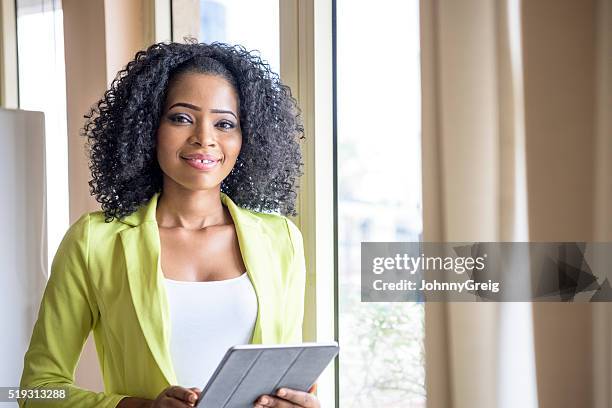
248, 371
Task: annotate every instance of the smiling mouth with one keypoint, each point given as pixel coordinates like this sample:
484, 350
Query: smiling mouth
203, 161
202, 164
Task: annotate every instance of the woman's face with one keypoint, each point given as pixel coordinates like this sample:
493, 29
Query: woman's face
199, 137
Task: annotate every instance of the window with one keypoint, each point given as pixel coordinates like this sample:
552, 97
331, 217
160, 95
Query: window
42, 87
379, 196
232, 22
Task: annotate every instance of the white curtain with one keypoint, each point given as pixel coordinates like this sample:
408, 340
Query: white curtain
517, 147
475, 190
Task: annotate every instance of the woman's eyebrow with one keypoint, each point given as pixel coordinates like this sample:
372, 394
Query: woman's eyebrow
197, 108
186, 105
223, 111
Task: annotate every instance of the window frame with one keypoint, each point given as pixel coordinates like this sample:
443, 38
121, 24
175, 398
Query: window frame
9, 86
307, 38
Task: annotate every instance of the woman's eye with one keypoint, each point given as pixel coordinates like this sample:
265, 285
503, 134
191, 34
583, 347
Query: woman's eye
180, 119
226, 125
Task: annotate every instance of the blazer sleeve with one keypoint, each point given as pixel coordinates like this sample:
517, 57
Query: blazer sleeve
295, 289
67, 313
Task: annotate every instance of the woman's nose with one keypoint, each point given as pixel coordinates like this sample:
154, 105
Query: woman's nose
205, 135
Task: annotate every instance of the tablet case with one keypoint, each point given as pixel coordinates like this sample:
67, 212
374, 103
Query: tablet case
248, 371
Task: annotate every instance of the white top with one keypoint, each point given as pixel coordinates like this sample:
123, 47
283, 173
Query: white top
207, 318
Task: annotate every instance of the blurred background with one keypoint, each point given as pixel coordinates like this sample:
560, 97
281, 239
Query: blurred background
435, 120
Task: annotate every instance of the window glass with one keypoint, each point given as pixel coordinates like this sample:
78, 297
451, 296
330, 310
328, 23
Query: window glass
379, 196
42, 87
253, 24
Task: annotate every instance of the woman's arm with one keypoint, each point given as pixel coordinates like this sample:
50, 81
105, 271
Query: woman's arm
173, 396
66, 315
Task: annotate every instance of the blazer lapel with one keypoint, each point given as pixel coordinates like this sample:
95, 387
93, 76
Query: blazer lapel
141, 248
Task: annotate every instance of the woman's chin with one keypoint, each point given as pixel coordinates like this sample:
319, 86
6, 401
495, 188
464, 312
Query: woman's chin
203, 186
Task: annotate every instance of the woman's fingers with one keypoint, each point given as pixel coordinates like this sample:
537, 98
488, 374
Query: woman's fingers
187, 395
269, 401
172, 402
303, 399
288, 398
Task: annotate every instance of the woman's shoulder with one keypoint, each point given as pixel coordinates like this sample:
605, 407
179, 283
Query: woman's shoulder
276, 221
280, 227
98, 220
93, 224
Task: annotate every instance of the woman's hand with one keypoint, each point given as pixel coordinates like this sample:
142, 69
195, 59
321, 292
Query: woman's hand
176, 397
288, 398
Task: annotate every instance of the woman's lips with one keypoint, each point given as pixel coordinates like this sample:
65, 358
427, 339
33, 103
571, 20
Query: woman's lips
204, 165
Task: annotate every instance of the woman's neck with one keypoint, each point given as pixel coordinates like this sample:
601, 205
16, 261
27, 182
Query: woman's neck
192, 210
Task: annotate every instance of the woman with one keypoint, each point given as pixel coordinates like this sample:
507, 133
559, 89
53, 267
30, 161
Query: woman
195, 160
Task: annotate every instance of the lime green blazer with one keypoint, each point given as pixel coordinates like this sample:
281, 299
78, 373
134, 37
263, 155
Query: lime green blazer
107, 277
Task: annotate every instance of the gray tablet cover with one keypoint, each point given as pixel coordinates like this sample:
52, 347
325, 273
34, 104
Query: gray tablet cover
248, 371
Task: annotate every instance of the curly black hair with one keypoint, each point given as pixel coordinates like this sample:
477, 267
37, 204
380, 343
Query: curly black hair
121, 129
